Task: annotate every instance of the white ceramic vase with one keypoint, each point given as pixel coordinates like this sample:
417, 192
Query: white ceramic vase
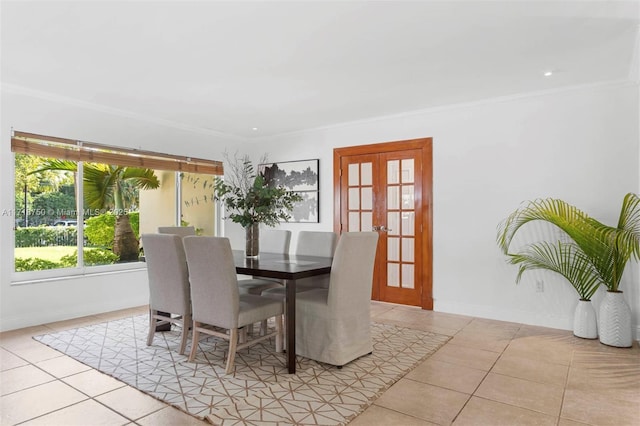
615, 320
585, 323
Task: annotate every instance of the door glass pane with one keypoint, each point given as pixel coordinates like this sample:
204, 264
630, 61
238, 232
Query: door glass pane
407, 171
407, 276
393, 171
354, 174
367, 174
393, 249
408, 249
367, 221
408, 223
354, 199
354, 222
393, 197
393, 223
367, 198
407, 197
393, 275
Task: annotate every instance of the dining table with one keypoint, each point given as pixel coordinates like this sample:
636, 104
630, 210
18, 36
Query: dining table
287, 268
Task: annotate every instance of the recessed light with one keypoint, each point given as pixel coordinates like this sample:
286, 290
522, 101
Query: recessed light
548, 73
254, 128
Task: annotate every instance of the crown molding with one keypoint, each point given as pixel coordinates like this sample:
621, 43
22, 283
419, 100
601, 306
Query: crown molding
462, 105
64, 100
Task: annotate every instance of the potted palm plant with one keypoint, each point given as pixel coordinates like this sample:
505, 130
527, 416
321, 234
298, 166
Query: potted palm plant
594, 254
249, 200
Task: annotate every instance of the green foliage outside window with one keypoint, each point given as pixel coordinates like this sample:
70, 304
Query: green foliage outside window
100, 230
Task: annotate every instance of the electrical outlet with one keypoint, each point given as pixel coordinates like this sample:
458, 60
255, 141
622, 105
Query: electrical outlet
539, 286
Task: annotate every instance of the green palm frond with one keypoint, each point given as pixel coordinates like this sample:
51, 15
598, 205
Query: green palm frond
103, 182
140, 178
99, 185
55, 164
605, 248
565, 259
629, 224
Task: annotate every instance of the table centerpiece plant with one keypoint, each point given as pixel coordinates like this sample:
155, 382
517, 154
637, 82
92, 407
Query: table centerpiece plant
249, 200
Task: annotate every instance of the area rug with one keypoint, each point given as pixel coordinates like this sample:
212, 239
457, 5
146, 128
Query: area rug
259, 391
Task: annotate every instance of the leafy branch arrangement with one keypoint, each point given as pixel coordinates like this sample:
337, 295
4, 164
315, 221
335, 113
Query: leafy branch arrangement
249, 199
595, 255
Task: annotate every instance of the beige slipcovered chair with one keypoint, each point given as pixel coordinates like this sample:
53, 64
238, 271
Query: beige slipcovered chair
310, 243
271, 241
168, 284
183, 231
334, 325
216, 300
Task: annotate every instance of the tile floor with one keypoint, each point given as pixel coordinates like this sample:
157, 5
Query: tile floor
489, 373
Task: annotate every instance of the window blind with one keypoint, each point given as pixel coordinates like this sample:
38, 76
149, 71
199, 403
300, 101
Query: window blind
67, 149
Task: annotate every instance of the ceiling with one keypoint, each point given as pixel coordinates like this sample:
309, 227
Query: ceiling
230, 67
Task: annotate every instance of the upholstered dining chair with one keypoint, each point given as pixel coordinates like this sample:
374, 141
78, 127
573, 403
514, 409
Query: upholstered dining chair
275, 240
271, 241
183, 231
216, 300
333, 324
169, 291
309, 243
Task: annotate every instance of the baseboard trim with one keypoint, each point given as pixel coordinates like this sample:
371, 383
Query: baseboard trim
563, 322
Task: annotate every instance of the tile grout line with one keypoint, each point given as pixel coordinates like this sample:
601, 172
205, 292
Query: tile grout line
484, 378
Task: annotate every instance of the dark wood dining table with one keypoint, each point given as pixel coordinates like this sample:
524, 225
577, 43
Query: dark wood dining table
287, 268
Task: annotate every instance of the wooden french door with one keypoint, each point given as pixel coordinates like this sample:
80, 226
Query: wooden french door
387, 188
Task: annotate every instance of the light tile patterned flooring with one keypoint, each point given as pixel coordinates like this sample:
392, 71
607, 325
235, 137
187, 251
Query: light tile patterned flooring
489, 373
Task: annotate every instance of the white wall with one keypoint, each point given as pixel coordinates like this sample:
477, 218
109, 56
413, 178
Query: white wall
580, 145
42, 302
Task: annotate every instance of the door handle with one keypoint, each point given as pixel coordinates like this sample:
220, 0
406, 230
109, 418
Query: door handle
375, 228
380, 228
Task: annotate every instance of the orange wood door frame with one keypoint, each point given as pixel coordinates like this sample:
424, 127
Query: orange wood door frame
424, 197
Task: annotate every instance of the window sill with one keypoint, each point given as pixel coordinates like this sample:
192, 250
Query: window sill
37, 277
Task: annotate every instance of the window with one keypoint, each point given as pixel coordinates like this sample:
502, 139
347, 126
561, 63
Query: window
67, 223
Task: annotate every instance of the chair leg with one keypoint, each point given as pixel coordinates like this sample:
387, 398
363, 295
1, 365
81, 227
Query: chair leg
263, 327
279, 334
186, 320
233, 343
152, 327
243, 335
194, 341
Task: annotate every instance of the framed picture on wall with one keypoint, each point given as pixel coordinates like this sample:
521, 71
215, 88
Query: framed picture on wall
301, 177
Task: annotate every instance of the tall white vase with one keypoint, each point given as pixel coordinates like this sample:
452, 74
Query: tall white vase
585, 323
615, 320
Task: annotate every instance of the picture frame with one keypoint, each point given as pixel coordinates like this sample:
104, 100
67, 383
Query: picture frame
302, 177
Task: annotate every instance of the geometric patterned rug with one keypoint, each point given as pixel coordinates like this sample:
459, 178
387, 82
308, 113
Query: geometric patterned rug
259, 391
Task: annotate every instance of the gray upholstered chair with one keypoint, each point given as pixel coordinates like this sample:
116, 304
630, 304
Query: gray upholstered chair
333, 325
271, 241
275, 240
183, 231
168, 284
216, 300
310, 243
